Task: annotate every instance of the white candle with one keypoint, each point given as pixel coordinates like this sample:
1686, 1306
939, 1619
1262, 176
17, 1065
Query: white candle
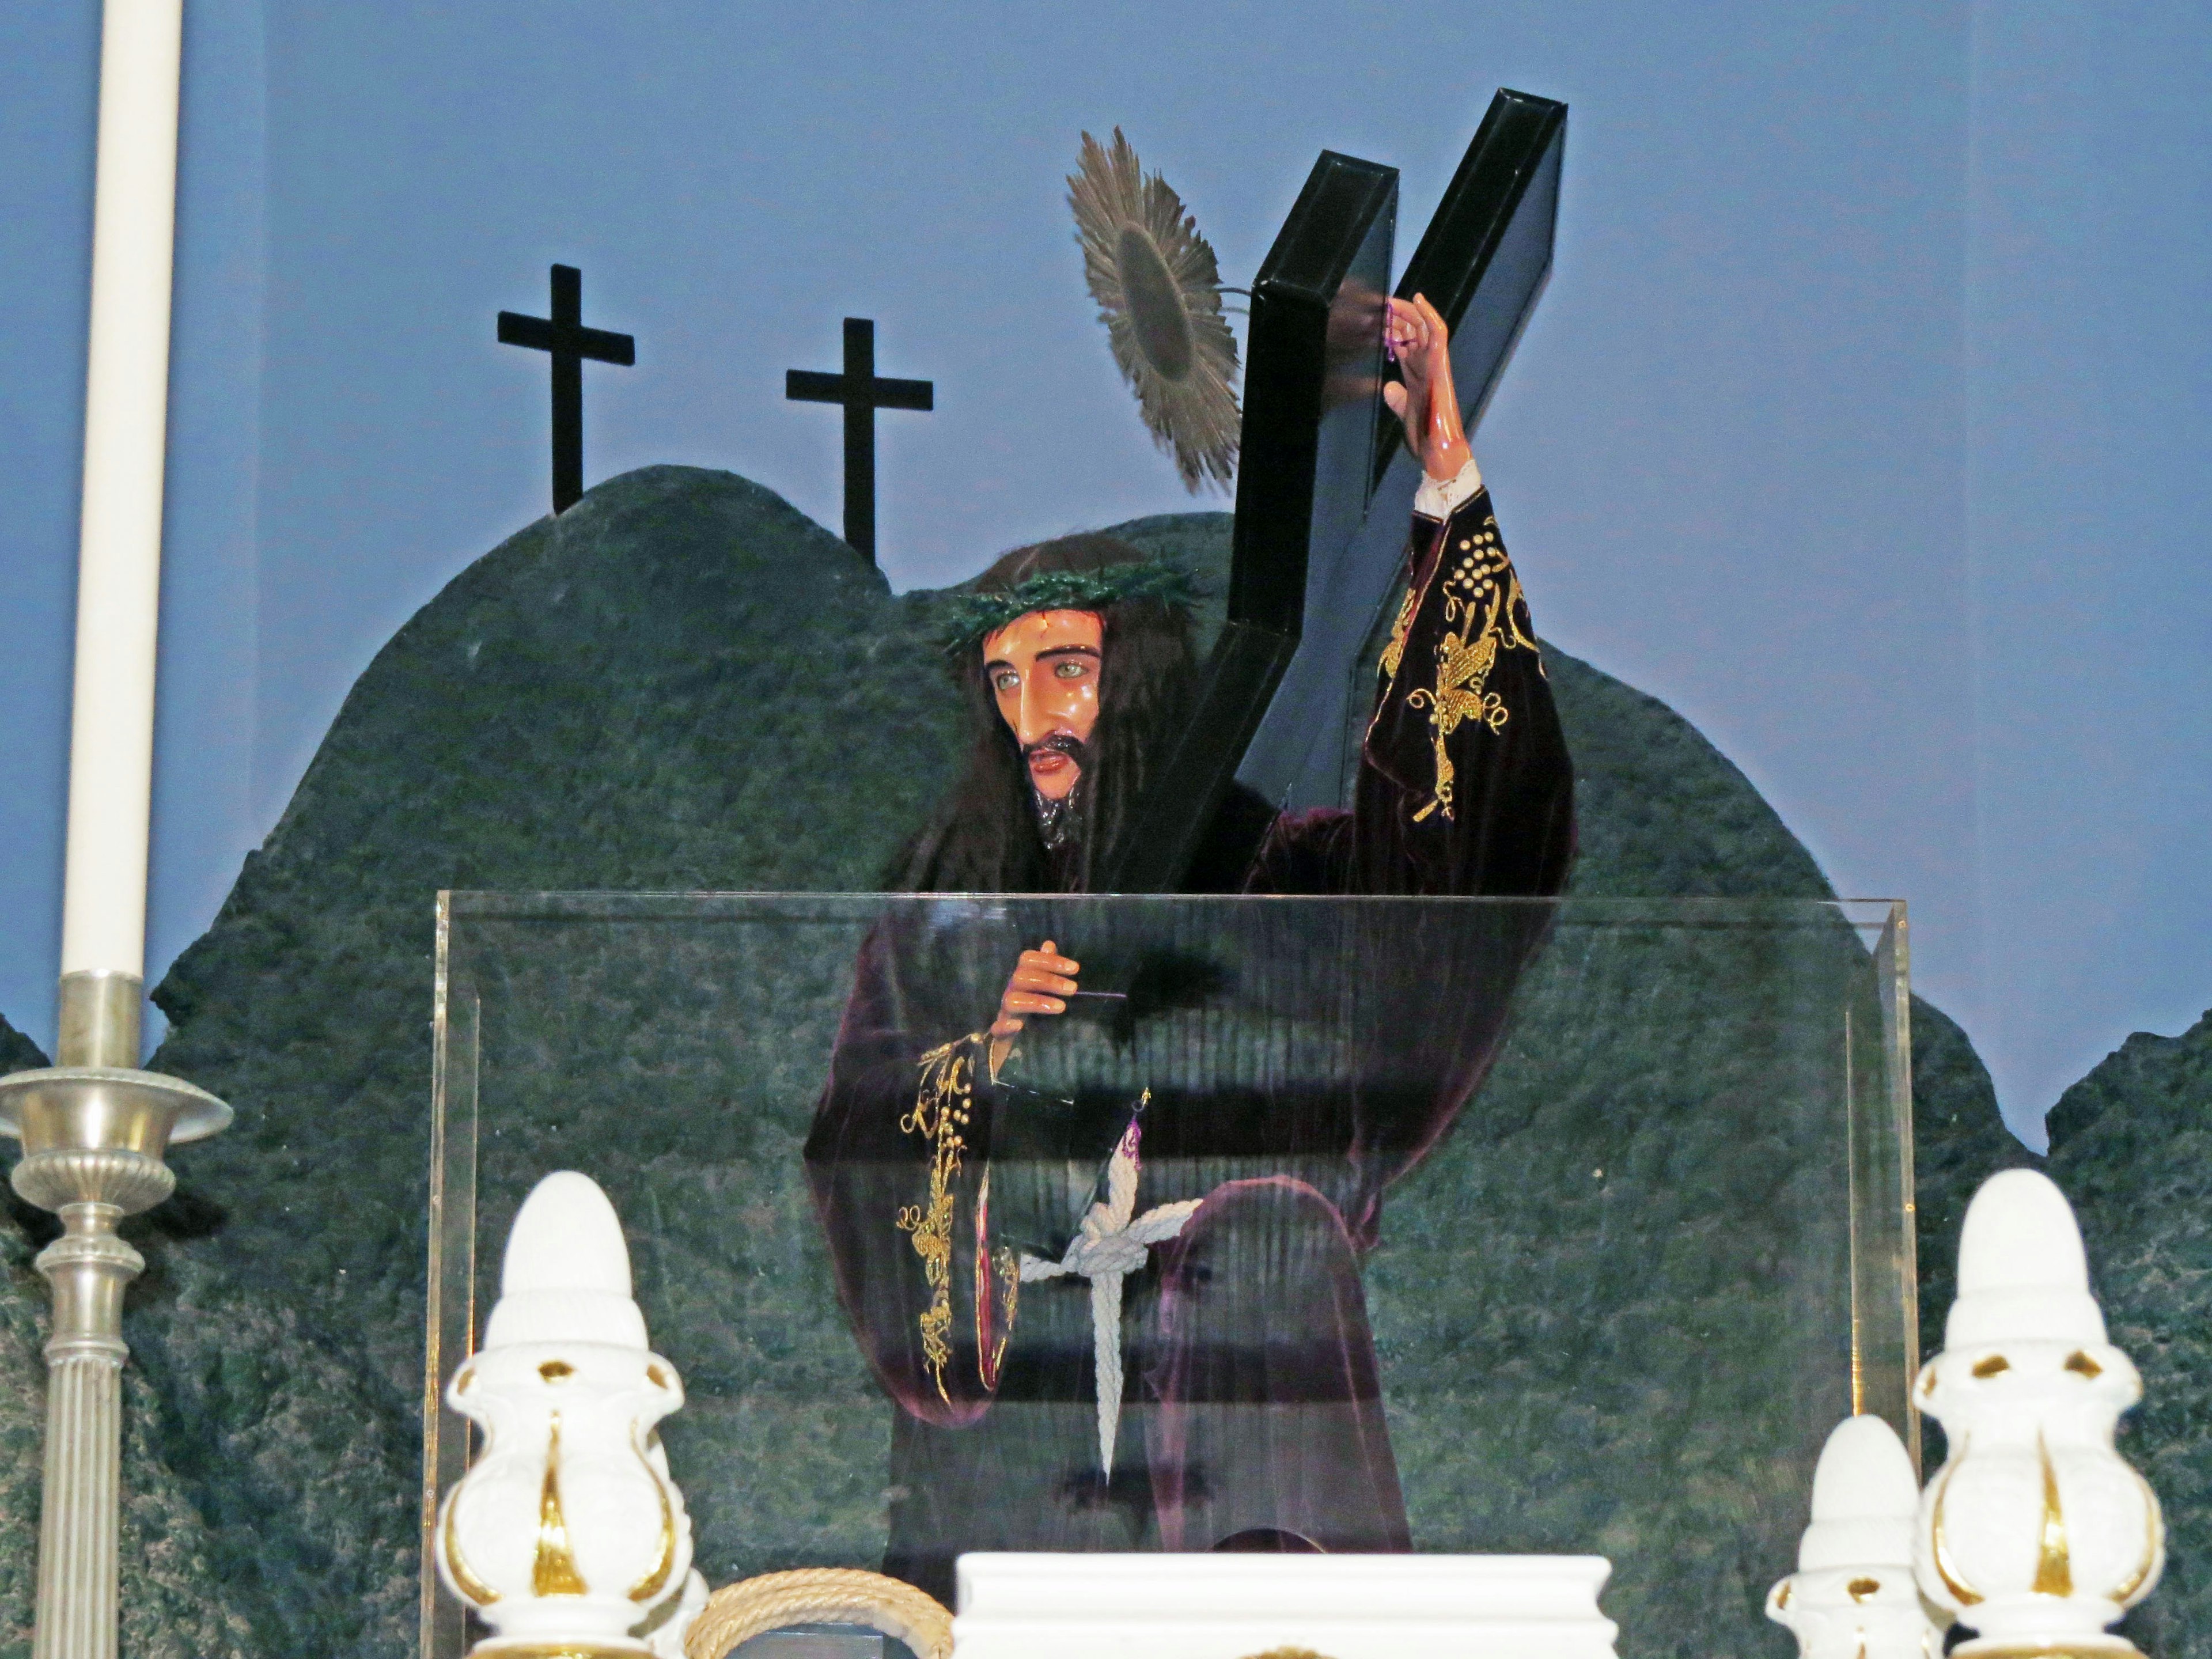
125, 433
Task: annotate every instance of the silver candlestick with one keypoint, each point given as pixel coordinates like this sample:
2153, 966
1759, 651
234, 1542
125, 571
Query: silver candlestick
93, 1131
95, 1128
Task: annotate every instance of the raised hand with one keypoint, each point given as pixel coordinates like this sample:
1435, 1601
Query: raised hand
1040, 980
1426, 402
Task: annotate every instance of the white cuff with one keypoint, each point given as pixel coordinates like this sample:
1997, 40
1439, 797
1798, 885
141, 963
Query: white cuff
1439, 498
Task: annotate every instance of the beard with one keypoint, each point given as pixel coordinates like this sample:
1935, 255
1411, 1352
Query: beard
1060, 823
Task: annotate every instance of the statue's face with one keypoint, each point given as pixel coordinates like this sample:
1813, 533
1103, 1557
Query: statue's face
1043, 670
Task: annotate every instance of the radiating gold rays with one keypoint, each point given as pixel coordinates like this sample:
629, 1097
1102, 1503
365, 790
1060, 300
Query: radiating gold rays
1159, 291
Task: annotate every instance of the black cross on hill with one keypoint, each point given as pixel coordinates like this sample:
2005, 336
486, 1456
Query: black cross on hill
569, 341
862, 395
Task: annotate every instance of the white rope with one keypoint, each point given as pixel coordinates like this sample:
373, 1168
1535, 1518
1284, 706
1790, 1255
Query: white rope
1111, 1244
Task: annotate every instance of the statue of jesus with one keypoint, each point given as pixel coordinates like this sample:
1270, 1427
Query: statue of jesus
1192, 1369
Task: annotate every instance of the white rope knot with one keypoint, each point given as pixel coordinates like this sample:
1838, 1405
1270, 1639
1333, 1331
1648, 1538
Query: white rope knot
1112, 1243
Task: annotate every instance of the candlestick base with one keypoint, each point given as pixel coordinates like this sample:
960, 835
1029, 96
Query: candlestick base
93, 1139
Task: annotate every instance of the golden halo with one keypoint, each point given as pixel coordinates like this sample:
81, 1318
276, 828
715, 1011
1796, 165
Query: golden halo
1160, 295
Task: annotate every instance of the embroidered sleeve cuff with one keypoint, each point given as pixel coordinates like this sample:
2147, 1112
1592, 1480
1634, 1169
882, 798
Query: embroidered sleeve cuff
1439, 498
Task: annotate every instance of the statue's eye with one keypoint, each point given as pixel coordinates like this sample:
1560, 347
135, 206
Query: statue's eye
1995, 1365
1070, 669
1005, 680
2081, 1365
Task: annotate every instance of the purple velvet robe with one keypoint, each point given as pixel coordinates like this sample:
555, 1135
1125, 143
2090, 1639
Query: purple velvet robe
1251, 1405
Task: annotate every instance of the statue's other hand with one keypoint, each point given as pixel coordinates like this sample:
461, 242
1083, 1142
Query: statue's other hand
1426, 401
1040, 982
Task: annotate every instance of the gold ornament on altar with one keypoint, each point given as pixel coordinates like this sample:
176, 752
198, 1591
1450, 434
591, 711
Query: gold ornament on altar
1159, 291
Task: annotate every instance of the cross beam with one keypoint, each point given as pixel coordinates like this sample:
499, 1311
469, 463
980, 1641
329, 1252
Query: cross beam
564, 336
862, 394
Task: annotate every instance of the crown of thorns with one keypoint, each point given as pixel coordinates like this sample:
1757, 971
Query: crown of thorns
971, 618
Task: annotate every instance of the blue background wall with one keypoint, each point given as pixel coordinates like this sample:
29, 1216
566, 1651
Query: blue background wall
1867, 421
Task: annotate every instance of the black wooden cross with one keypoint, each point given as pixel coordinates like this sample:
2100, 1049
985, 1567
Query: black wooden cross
565, 336
862, 395
1325, 485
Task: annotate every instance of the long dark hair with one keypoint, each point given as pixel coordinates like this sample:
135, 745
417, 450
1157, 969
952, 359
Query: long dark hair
982, 836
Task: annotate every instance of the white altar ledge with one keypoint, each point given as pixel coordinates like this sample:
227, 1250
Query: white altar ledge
1236, 1607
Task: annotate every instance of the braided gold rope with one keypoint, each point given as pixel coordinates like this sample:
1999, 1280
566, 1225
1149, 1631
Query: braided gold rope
840, 1595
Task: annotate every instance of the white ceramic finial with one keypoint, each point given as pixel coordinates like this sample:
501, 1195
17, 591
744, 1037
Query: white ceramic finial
1853, 1595
567, 1534
566, 1276
2021, 1270
565, 1237
2036, 1533
1864, 1496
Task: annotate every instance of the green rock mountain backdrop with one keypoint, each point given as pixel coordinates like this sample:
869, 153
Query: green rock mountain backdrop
684, 683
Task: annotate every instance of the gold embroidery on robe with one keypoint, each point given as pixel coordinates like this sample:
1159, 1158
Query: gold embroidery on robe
1483, 608
994, 1321
942, 1106
995, 1324
1394, 653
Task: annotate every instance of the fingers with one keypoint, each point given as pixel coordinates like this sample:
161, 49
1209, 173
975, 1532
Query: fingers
1036, 979
1416, 326
1040, 980
1045, 969
1407, 331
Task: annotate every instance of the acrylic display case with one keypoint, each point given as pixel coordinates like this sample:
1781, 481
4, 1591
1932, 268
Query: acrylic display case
1612, 1198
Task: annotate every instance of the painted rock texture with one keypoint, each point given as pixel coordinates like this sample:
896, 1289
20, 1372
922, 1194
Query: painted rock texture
2131, 1147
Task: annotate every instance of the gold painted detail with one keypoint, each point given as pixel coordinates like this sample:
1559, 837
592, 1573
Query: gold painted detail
650, 1586
554, 1570
657, 1377
1961, 1592
1860, 1588
994, 1314
1009, 1285
2054, 1561
1782, 1595
473, 1587
1995, 1365
1394, 652
2126, 1594
1484, 616
2081, 1365
556, 1370
1288, 1653
942, 1106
